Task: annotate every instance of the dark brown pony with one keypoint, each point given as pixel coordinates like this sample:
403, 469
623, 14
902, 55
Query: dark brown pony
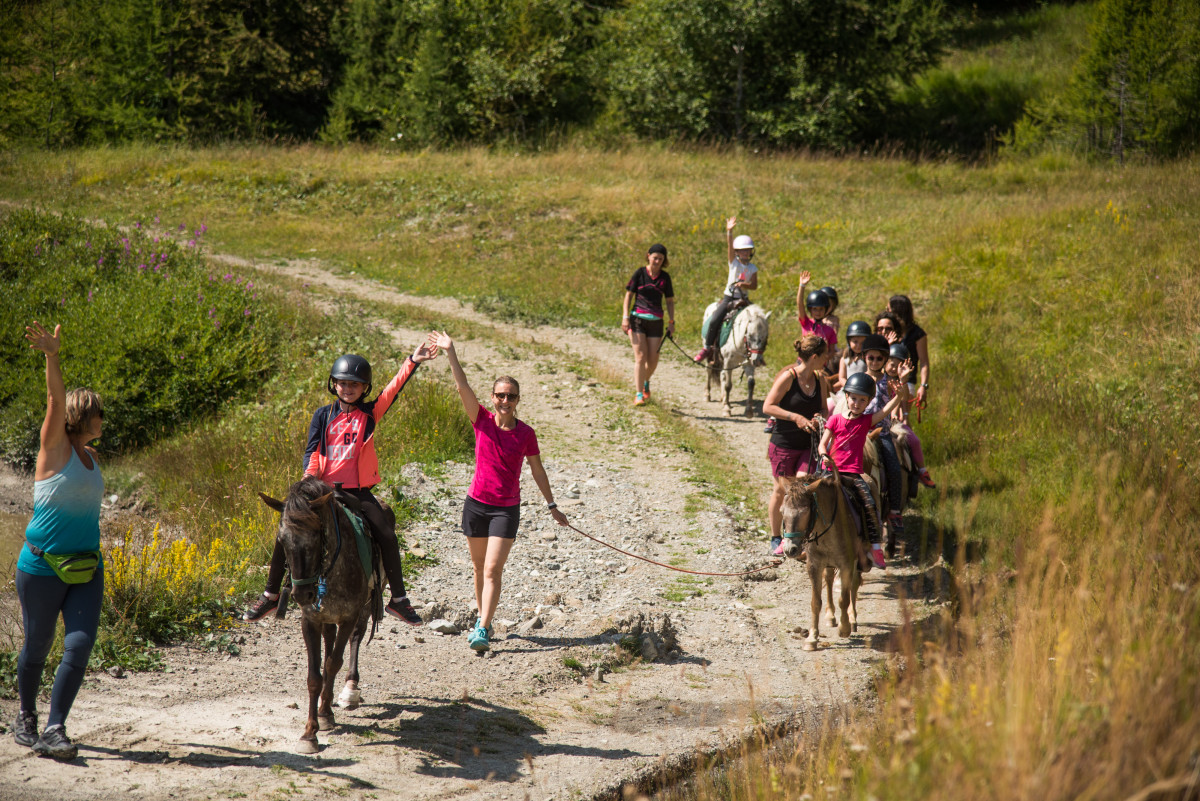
817, 522
337, 599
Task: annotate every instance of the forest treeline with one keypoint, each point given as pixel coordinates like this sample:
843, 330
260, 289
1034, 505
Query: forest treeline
824, 74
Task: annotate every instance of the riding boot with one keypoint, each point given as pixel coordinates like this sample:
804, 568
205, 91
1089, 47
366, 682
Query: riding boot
383, 530
278, 565
871, 523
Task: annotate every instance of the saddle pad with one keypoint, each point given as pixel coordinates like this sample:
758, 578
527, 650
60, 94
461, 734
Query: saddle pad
726, 328
362, 540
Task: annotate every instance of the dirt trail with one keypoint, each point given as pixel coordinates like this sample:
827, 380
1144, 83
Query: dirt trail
533, 719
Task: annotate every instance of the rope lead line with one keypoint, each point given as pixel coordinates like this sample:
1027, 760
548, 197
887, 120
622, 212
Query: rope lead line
776, 563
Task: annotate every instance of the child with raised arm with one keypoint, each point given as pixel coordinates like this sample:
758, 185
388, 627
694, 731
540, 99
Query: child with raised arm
341, 449
843, 442
492, 509
811, 310
743, 277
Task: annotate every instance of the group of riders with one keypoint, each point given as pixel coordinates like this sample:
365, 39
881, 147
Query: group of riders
825, 406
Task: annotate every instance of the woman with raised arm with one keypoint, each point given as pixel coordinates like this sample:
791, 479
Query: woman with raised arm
492, 509
60, 570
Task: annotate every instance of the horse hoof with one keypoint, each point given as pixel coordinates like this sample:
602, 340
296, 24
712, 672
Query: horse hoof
808, 646
325, 723
349, 699
307, 746
727, 413
844, 630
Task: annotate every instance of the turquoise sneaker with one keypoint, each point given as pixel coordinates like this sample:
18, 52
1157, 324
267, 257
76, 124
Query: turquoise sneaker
478, 638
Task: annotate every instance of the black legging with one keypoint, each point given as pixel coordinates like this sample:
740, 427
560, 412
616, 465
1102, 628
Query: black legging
43, 599
383, 529
718, 316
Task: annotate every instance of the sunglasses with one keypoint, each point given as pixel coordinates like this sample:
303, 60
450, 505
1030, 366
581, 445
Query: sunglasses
874, 357
506, 396
879, 328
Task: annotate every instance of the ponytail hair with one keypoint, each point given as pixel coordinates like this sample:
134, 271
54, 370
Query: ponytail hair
810, 345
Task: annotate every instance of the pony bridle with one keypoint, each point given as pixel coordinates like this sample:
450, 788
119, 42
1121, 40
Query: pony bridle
752, 353
319, 578
814, 510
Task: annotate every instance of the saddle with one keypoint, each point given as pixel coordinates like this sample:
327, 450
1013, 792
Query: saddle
858, 509
362, 529
726, 322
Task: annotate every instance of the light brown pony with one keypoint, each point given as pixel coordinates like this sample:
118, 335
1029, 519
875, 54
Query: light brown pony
817, 521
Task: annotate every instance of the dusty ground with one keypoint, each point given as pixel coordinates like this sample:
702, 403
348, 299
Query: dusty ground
533, 719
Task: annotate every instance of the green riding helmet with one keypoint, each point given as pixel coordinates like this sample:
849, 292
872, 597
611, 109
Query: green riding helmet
860, 384
898, 351
350, 367
816, 299
858, 328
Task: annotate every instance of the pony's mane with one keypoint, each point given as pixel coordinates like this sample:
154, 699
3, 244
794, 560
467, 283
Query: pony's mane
300, 495
799, 488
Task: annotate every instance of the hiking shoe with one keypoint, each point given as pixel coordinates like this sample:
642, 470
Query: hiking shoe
769, 428
776, 544
639, 400
926, 481
702, 356
55, 743
646, 389
877, 556
25, 728
479, 638
896, 522
403, 609
260, 607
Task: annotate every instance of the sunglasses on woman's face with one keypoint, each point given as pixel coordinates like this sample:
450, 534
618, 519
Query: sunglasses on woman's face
506, 396
881, 328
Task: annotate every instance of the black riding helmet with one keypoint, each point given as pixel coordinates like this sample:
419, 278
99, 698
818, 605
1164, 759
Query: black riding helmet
876, 342
832, 294
898, 351
816, 299
860, 384
858, 328
350, 367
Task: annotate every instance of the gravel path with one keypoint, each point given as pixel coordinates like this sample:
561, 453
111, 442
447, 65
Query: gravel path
606, 668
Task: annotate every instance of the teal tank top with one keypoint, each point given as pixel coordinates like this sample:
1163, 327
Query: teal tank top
66, 515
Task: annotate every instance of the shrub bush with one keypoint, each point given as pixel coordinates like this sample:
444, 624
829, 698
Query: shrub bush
145, 323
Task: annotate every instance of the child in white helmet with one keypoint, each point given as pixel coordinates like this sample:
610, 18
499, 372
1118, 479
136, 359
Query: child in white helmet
743, 276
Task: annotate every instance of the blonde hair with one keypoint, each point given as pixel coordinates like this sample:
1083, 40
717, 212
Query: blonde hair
82, 406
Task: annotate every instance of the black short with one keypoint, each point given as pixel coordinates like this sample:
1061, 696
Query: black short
651, 328
484, 520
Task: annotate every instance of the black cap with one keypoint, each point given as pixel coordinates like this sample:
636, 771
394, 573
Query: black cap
898, 351
350, 367
876, 342
858, 328
816, 298
860, 384
657, 248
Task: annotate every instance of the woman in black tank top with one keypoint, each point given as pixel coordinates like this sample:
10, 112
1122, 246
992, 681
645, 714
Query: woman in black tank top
797, 397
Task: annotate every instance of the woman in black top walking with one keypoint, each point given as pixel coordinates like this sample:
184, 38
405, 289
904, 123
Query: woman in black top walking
648, 290
796, 398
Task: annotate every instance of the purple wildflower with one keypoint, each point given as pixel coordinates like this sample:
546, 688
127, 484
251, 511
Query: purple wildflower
245, 312
191, 243
89, 296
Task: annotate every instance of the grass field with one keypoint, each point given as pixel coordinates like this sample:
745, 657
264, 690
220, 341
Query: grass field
1063, 305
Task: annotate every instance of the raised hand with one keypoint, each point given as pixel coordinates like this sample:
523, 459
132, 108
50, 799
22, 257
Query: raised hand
805, 277
41, 339
729, 223
907, 368
424, 352
441, 340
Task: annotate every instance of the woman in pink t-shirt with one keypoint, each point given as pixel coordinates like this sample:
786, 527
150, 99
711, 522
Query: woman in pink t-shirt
492, 509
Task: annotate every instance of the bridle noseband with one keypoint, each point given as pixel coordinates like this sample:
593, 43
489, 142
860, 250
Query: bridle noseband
320, 577
814, 510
